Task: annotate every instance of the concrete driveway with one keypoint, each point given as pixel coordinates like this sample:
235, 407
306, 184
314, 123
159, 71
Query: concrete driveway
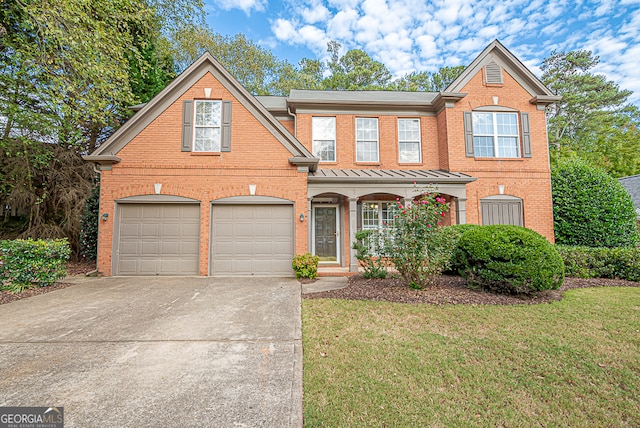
172, 352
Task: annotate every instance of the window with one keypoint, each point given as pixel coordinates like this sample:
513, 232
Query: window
495, 135
378, 214
324, 138
367, 140
208, 118
409, 140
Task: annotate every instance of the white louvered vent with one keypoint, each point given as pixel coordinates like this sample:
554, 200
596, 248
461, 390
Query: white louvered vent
493, 73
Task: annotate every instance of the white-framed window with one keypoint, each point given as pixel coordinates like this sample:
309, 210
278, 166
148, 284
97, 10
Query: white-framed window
496, 135
377, 214
206, 126
409, 141
367, 139
324, 138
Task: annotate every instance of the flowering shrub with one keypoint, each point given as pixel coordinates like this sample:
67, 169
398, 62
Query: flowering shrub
415, 243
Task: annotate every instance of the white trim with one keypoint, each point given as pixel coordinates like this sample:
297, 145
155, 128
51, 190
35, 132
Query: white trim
369, 141
419, 141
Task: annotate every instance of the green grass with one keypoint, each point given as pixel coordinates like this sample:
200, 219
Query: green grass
570, 363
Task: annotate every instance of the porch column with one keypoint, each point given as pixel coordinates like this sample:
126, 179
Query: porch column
461, 211
309, 224
353, 224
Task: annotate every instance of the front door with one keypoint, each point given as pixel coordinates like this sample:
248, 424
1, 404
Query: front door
326, 233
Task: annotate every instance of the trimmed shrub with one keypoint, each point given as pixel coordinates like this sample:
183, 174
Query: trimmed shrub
508, 259
30, 263
588, 262
373, 265
305, 265
454, 232
591, 208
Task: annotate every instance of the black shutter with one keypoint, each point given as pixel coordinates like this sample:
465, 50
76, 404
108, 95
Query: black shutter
187, 125
526, 136
225, 132
468, 134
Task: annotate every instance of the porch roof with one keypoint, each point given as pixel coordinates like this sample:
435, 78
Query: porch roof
369, 176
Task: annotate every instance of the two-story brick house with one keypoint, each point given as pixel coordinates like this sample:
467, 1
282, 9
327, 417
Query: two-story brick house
207, 179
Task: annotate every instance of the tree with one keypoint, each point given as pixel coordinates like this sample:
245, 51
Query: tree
593, 120
428, 81
591, 208
355, 70
67, 69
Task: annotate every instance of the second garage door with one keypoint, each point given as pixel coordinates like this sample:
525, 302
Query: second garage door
252, 240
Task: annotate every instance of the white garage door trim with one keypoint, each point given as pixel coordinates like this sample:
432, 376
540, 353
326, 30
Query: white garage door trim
242, 244
170, 235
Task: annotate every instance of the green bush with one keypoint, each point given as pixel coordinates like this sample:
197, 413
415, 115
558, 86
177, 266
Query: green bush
89, 225
588, 262
454, 232
32, 263
591, 208
373, 265
305, 265
508, 259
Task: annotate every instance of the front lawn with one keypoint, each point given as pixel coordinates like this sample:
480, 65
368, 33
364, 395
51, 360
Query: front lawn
575, 362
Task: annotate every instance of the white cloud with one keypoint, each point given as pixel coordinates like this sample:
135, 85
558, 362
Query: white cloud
416, 35
245, 5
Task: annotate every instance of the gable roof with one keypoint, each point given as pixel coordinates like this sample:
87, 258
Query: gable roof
497, 53
107, 152
632, 184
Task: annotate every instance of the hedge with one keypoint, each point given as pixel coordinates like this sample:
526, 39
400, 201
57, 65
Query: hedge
603, 262
508, 259
28, 263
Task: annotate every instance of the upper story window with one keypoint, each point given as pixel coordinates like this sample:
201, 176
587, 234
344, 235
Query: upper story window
409, 141
495, 135
207, 123
367, 140
324, 138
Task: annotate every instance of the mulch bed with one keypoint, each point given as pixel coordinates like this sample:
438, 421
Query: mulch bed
452, 290
81, 267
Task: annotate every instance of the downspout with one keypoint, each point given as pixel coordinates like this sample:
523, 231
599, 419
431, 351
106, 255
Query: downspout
295, 121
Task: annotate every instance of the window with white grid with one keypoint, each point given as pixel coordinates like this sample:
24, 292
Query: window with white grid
409, 140
324, 138
495, 135
206, 136
367, 140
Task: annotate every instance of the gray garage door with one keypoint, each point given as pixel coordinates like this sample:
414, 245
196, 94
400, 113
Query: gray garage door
158, 239
252, 240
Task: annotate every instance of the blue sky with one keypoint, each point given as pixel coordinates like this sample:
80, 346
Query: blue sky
424, 35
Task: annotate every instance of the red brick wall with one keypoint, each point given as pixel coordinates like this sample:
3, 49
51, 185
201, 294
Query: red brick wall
526, 178
155, 156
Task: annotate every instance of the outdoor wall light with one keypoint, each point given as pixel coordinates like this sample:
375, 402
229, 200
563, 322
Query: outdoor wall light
105, 216
301, 217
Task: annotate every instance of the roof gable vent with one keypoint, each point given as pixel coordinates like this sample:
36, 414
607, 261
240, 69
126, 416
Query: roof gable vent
493, 73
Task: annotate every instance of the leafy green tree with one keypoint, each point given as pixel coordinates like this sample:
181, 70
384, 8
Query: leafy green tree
428, 81
591, 208
355, 70
593, 120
